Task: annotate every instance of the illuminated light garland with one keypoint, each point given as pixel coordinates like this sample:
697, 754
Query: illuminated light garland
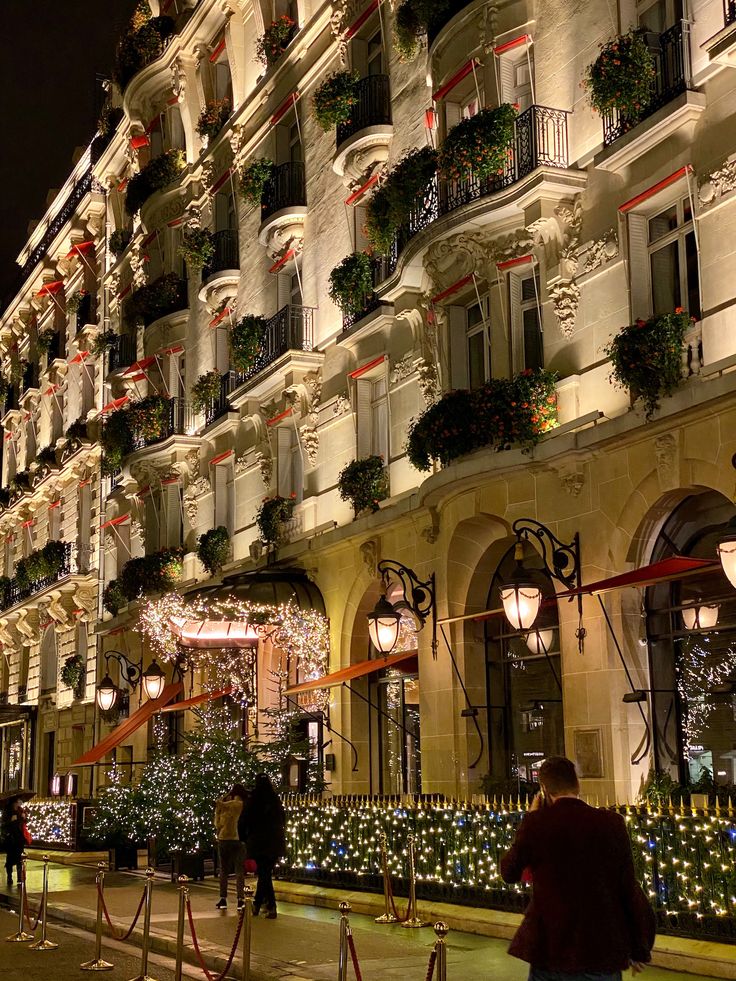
700, 671
50, 821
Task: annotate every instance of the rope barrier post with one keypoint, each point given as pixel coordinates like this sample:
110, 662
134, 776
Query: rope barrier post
342, 962
247, 923
43, 943
387, 916
97, 963
21, 936
440, 946
412, 921
183, 896
144, 976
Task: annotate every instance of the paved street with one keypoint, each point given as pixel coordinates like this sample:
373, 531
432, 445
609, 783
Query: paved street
301, 944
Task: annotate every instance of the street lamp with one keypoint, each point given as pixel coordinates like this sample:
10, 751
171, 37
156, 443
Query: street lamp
520, 595
152, 680
416, 595
726, 549
700, 617
107, 693
539, 641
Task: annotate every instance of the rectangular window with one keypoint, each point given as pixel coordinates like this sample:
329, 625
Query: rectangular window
516, 73
673, 260
478, 349
531, 326
290, 470
223, 487
375, 54
379, 418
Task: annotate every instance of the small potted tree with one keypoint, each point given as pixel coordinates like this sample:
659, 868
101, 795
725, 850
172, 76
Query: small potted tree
364, 483
205, 390
253, 179
213, 549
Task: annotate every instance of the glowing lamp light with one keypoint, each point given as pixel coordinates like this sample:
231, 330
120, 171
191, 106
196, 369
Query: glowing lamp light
700, 617
383, 626
153, 681
107, 694
727, 554
521, 596
539, 641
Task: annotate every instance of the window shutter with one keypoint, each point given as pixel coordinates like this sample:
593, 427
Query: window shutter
172, 515
152, 530
639, 267
517, 329
508, 86
223, 496
84, 524
453, 114
458, 346
283, 442
363, 402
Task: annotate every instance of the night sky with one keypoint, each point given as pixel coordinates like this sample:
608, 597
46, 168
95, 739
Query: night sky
50, 52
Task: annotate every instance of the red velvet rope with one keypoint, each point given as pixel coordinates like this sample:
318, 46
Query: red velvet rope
198, 952
430, 965
113, 930
354, 958
26, 913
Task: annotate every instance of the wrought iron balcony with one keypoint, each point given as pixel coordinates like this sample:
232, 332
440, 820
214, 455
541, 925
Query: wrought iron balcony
123, 352
11, 593
85, 311
177, 421
671, 53
221, 404
287, 188
540, 140
226, 254
373, 107
381, 270
291, 329
729, 12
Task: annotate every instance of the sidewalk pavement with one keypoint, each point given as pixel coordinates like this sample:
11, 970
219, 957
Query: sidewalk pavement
302, 943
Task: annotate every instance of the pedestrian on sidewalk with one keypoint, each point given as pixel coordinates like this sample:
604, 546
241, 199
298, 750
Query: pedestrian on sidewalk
265, 820
230, 850
588, 918
14, 837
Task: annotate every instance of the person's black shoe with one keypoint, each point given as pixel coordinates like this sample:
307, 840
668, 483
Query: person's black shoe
271, 913
221, 904
10, 880
256, 909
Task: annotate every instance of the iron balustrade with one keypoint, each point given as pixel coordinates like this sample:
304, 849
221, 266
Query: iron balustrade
373, 107
540, 140
291, 329
13, 593
226, 254
221, 404
671, 53
123, 353
177, 300
371, 301
729, 12
286, 188
85, 311
177, 421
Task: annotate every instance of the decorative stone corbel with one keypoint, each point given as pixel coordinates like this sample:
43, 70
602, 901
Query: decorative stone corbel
369, 555
85, 599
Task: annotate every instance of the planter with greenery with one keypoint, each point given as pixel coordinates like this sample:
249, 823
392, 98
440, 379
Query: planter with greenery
46, 456
44, 340
165, 295
275, 40
213, 117
120, 240
254, 177
364, 483
335, 98
143, 42
271, 517
156, 573
109, 119
646, 357
622, 76
74, 301
158, 173
145, 421
205, 390
148, 417
72, 674
4, 388
478, 146
113, 597
20, 483
351, 282
40, 564
505, 411
197, 247
412, 20
104, 341
246, 336
77, 432
394, 200
213, 549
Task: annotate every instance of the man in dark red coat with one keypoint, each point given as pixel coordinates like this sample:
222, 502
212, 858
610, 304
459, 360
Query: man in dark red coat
588, 919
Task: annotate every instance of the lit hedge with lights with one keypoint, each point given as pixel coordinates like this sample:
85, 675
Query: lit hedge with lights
51, 822
685, 860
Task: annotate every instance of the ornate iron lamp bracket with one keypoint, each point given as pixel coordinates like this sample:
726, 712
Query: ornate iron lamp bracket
419, 595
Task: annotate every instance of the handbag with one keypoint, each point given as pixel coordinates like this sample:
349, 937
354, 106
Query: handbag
27, 836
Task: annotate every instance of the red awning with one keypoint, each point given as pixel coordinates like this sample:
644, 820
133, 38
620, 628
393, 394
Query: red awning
80, 248
139, 366
115, 404
207, 696
50, 288
220, 316
359, 670
128, 727
205, 634
176, 349
79, 358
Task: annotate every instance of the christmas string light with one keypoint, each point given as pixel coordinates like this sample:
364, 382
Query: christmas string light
50, 821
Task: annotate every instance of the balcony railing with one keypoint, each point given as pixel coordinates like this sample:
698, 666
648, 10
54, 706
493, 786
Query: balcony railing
226, 254
85, 311
371, 301
373, 107
287, 188
123, 352
11, 593
221, 404
671, 53
729, 12
177, 421
291, 329
540, 140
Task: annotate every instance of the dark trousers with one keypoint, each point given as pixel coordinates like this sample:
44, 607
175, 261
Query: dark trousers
265, 896
13, 858
232, 858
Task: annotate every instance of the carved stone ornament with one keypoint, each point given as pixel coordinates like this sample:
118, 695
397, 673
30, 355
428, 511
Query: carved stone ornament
478, 251
178, 80
190, 499
341, 405
369, 555
594, 254
85, 599
309, 436
572, 478
718, 183
6, 638
58, 613
403, 369
565, 301
27, 626
264, 462
138, 267
429, 381
241, 463
667, 454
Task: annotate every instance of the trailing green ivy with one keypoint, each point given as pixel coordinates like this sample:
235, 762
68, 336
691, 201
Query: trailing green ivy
479, 145
156, 573
335, 98
213, 548
213, 117
253, 179
246, 336
158, 173
364, 483
622, 76
44, 340
40, 564
72, 674
205, 390
275, 40
351, 282
197, 247
392, 203
271, 517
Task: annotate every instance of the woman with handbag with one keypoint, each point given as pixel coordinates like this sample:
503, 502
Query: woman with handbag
16, 836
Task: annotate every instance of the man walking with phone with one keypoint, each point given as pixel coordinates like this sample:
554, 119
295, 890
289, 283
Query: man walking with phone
588, 918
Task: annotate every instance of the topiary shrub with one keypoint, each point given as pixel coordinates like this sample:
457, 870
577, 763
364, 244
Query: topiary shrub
271, 517
205, 390
253, 179
113, 597
197, 247
156, 573
478, 146
158, 173
364, 483
213, 117
275, 40
72, 674
246, 336
622, 76
351, 282
391, 205
213, 548
119, 241
335, 98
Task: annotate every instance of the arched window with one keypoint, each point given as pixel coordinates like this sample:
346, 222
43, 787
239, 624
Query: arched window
524, 686
691, 631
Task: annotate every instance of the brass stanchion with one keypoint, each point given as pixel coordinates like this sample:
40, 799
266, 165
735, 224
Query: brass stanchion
412, 921
43, 943
21, 936
247, 923
144, 976
183, 896
440, 946
97, 963
342, 961
387, 916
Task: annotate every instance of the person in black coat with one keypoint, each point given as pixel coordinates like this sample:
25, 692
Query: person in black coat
265, 820
14, 839
588, 916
